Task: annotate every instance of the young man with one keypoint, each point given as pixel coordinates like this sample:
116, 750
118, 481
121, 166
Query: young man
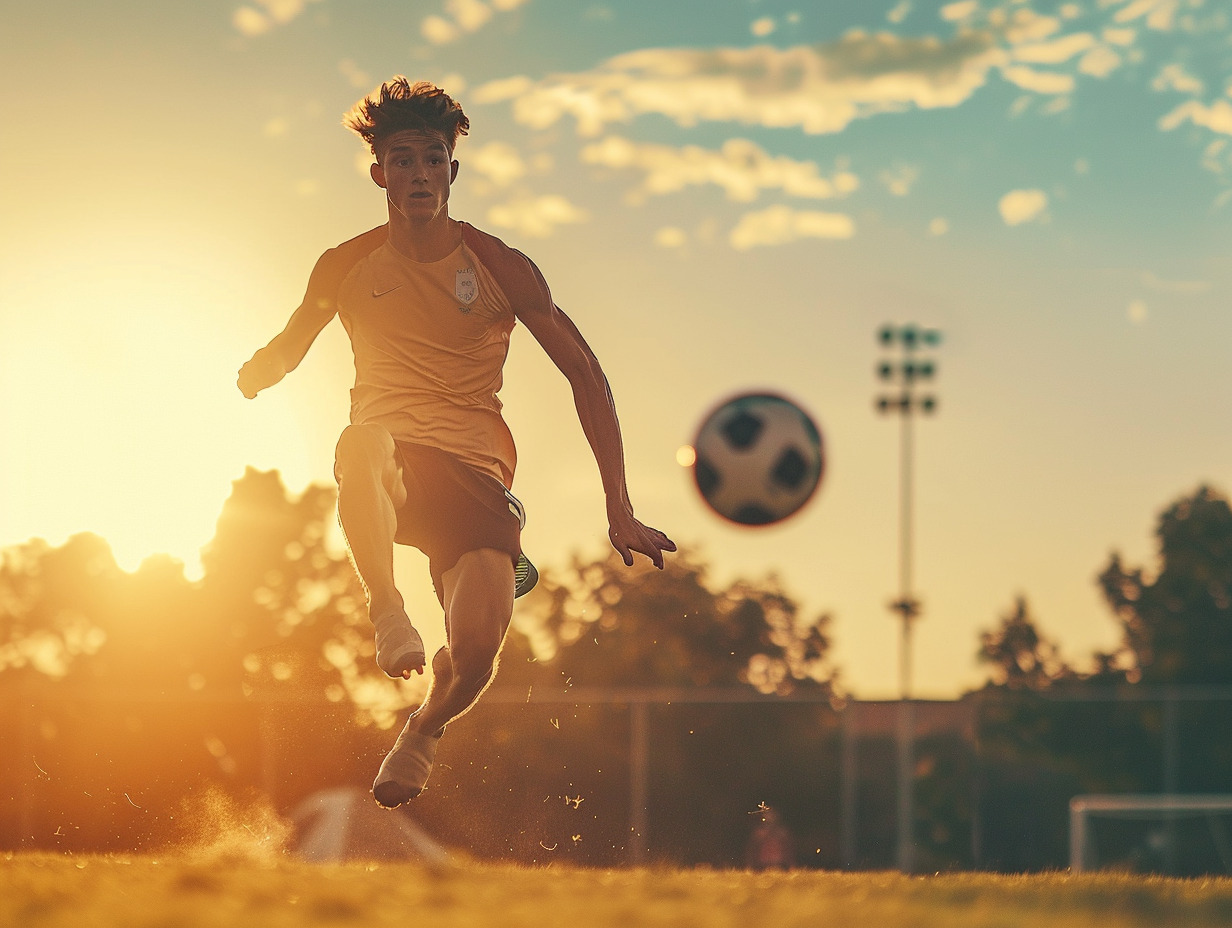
428, 303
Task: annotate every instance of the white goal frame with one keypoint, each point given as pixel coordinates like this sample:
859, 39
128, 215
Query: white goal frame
1130, 804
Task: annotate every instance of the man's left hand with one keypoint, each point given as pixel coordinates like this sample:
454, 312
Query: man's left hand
628, 535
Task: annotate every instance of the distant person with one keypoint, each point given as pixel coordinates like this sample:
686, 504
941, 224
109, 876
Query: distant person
771, 845
428, 303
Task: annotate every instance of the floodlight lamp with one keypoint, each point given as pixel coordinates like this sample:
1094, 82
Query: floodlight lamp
885, 370
886, 335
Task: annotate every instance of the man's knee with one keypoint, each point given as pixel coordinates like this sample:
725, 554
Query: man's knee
363, 448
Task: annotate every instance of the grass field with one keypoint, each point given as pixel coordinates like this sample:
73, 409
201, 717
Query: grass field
240, 890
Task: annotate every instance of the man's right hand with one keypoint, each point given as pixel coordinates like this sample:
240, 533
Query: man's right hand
263, 370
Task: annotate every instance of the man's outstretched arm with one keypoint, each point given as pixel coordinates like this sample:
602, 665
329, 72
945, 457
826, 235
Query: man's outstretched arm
284, 352
596, 410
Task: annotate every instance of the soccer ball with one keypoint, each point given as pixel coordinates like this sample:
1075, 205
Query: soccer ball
758, 459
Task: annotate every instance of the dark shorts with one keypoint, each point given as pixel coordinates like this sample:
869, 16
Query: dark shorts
451, 509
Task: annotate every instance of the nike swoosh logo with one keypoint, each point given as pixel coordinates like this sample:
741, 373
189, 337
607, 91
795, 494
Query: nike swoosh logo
377, 293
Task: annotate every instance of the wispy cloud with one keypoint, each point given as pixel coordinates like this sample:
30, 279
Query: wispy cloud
1157, 14
1019, 206
740, 167
816, 88
1160, 285
498, 162
536, 216
823, 88
1174, 77
260, 16
781, 225
461, 17
1217, 117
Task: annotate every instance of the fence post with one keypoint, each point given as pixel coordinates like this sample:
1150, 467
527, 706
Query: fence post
639, 762
849, 784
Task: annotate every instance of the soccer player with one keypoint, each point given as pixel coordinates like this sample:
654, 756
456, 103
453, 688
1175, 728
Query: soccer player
428, 303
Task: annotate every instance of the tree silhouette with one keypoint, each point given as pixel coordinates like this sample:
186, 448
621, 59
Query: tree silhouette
603, 624
1177, 622
1020, 658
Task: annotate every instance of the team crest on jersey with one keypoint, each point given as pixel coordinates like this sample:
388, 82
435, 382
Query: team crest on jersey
466, 286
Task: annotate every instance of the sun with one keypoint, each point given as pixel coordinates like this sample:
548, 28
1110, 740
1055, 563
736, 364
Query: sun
119, 407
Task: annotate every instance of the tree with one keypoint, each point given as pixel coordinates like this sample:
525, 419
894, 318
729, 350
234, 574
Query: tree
1019, 656
1177, 624
603, 624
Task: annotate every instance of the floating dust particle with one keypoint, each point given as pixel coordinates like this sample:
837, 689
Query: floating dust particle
546, 848
555, 723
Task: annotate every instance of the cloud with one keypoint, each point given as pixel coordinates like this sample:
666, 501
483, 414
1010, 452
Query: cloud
671, 237
1137, 311
462, 17
1175, 77
899, 179
355, 75
499, 162
817, 88
938, 226
1049, 82
1217, 117
1055, 51
740, 167
780, 225
536, 217
899, 12
1159, 14
1019, 206
762, 27
960, 10
263, 15
1099, 61
1158, 284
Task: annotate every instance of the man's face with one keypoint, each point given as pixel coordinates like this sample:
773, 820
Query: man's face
415, 171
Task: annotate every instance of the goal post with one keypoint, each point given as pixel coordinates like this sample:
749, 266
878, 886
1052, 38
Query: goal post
1160, 806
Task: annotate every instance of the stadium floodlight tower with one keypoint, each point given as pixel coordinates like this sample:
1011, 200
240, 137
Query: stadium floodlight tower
903, 376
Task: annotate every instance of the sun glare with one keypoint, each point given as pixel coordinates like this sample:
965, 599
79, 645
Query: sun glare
119, 383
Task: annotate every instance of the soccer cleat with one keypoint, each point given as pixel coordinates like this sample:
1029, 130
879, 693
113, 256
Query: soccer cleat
399, 649
405, 770
524, 577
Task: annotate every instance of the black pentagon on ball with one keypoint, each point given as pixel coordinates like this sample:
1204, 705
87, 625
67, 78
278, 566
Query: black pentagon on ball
742, 430
753, 514
790, 470
706, 476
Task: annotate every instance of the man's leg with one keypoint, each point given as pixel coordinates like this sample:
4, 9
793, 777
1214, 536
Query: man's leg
478, 607
370, 492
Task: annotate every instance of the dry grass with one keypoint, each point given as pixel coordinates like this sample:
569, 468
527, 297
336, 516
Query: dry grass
235, 887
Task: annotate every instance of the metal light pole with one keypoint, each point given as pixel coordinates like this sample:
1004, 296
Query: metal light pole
903, 375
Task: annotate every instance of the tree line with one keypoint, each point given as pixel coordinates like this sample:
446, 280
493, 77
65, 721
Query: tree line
128, 696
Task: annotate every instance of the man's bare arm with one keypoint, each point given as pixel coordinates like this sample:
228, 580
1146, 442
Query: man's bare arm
285, 351
596, 410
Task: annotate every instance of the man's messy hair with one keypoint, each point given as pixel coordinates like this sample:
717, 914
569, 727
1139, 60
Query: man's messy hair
398, 105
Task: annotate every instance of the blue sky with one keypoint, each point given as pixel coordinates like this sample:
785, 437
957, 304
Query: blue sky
724, 195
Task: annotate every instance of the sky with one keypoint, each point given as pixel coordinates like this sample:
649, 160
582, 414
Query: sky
726, 195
